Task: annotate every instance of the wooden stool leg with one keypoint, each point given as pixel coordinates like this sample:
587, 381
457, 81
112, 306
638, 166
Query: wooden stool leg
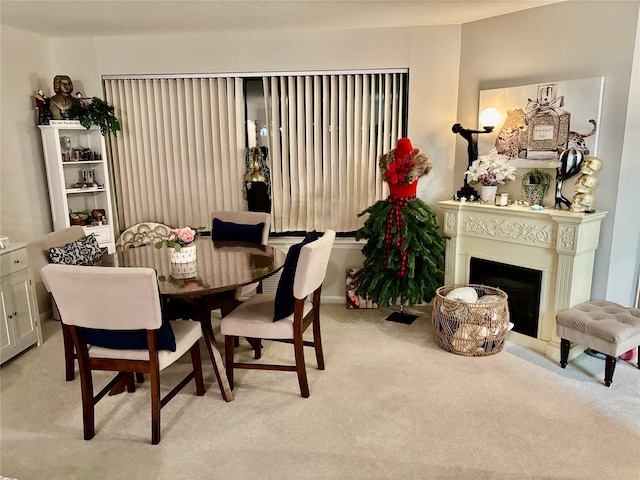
610, 366
564, 352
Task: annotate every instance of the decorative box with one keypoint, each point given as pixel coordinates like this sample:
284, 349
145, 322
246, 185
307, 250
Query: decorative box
548, 124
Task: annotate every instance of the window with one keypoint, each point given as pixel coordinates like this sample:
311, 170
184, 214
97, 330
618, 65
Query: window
326, 133
181, 152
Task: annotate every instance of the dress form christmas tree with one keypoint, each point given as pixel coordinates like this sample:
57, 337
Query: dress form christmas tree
404, 251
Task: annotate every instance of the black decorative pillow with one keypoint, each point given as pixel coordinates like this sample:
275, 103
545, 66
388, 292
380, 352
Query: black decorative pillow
284, 302
236, 232
130, 339
84, 251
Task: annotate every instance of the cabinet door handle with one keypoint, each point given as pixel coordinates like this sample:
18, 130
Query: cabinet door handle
16, 261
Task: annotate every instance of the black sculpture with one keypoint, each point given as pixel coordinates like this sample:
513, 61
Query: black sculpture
570, 162
471, 136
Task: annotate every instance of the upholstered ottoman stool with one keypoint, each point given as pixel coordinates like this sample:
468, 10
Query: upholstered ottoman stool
603, 326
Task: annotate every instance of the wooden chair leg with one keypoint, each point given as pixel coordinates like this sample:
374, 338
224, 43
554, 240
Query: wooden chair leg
256, 344
300, 367
564, 352
317, 341
196, 360
139, 377
69, 354
155, 406
229, 347
610, 366
88, 404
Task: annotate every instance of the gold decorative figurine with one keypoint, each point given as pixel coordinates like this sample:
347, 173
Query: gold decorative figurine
584, 201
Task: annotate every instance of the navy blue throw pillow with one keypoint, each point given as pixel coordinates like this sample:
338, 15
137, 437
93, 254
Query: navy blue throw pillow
284, 302
236, 232
132, 339
121, 339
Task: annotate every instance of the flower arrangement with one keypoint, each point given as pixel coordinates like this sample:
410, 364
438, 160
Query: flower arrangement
398, 170
490, 170
180, 237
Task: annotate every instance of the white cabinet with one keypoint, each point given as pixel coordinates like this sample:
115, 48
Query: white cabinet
19, 318
78, 178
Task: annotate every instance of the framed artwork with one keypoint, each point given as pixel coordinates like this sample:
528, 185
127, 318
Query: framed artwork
541, 120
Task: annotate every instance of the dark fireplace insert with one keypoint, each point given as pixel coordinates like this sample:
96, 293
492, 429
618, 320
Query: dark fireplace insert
522, 285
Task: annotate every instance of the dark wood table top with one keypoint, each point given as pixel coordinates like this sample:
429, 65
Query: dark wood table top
220, 266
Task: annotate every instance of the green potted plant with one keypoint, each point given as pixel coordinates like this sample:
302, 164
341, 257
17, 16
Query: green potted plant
95, 111
535, 185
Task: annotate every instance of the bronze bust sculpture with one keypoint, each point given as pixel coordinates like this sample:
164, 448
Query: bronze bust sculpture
62, 101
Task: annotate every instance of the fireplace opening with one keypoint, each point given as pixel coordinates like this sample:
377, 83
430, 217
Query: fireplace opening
522, 285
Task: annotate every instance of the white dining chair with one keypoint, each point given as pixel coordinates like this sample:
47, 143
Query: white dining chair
127, 301
254, 318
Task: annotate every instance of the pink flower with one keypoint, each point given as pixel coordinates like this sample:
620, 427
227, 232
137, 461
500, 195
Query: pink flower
186, 235
180, 237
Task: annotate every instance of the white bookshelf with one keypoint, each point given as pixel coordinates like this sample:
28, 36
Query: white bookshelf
78, 183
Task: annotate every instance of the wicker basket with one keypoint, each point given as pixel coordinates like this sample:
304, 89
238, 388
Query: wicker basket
471, 329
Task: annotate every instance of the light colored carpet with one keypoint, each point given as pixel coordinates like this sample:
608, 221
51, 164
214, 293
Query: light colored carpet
390, 405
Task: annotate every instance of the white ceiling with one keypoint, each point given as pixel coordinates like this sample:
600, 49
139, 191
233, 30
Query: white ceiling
68, 18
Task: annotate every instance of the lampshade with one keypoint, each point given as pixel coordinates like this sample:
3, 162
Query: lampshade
489, 117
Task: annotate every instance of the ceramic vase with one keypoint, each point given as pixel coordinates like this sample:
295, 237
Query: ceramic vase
186, 254
488, 193
533, 194
184, 270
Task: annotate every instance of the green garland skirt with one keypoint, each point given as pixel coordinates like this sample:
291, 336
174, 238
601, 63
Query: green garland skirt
424, 260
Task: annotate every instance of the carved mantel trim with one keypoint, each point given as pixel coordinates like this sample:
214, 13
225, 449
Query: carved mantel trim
509, 229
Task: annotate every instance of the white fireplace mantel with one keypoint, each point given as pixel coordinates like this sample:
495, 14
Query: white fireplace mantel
559, 243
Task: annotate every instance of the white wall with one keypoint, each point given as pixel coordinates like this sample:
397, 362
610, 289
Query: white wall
625, 251
24, 198
578, 40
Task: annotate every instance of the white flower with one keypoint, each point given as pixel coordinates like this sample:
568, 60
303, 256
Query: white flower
490, 169
477, 168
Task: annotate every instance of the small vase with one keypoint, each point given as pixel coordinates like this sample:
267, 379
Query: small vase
488, 193
533, 193
186, 254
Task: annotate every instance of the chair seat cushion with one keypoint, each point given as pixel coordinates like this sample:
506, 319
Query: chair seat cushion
187, 332
285, 301
254, 319
84, 251
236, 232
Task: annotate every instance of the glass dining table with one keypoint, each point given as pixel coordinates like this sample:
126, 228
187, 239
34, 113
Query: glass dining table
193, 290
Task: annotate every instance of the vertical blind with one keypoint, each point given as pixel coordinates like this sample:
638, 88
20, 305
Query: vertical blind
181, 151
326, 133
180, 154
